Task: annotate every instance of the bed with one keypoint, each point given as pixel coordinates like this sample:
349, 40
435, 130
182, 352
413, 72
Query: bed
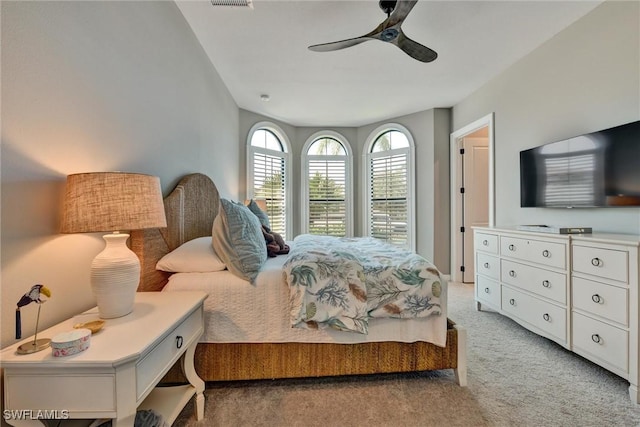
190, 209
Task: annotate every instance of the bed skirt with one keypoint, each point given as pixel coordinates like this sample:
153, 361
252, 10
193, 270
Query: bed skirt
251, 361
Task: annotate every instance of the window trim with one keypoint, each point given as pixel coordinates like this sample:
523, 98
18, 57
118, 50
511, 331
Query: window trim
304, 190
286, 154
411, 191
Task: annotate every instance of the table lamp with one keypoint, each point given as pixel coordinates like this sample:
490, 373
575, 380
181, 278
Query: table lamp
113, 201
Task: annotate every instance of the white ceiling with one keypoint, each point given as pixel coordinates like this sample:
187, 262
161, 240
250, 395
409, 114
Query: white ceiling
264, 51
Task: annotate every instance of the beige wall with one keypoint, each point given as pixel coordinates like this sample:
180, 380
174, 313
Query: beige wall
584, 79
97, 86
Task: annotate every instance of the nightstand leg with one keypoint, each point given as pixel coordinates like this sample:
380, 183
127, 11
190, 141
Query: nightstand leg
191, 375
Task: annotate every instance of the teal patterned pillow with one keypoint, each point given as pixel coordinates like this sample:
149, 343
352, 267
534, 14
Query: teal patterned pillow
238, 240
262, 215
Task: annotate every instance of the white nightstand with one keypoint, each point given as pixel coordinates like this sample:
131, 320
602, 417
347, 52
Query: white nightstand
118, 373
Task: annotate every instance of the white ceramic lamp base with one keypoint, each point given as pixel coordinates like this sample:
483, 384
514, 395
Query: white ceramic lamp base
115, 274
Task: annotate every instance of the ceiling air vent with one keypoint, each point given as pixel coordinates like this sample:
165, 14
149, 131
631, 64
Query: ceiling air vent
233, 3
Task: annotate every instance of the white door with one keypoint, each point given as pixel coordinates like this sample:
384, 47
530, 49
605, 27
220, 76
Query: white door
475, 199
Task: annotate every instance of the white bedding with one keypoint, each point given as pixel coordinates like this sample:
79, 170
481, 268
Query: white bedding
239, 312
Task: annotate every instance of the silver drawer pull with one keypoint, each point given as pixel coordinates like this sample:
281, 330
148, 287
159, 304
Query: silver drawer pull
486, 265
546, 253
512, 247
485, 242
486, 290
546, 283
597, 299
596, 339
546, 317
179, 341
596, 262
512, 273
512, 301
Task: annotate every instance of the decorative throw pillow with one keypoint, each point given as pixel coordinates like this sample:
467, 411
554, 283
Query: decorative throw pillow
262, 215
275, 243
194, 256
238, 240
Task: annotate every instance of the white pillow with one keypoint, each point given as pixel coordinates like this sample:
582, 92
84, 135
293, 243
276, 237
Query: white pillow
194, 256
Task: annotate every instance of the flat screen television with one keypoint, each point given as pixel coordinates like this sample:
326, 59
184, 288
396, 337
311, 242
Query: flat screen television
598, 169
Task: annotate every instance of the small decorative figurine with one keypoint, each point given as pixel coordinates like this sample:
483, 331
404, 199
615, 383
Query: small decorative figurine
34, 295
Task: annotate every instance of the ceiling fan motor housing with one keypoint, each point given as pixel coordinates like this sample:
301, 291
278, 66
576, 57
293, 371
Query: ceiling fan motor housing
387, 6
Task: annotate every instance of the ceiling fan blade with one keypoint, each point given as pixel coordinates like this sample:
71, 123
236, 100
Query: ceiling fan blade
327, 47
414, 49
400, 12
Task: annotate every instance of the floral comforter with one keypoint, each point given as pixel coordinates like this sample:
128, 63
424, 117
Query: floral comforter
343, 282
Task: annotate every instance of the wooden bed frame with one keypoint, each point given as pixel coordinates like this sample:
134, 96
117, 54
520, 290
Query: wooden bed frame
190, 209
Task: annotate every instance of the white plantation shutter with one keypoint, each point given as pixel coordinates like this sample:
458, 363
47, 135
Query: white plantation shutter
326, 189
269, 183
389, 196
268, 174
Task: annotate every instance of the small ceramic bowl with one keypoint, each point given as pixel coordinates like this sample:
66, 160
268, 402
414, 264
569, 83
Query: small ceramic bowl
94, 326
72, 342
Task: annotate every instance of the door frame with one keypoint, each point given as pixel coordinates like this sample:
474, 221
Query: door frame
455, 166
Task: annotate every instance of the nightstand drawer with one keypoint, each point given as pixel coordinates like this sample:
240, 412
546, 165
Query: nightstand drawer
37, 390
488, 265
150, 368
603, 341
609, 302
551, 254
545, 283
485, 242
607, 263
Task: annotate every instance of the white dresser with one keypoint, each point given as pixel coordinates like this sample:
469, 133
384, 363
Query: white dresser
580, 291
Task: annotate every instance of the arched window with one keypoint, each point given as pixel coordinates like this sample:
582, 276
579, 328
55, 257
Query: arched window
326, 177
268, 173
390, 187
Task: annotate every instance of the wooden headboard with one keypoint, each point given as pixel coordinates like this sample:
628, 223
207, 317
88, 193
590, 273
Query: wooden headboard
190, 209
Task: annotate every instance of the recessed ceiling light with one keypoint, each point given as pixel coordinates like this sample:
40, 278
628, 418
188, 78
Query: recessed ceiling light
264, 97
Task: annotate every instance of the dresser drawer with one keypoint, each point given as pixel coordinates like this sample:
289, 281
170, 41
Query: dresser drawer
549, 318
551, 254
609, 302
545, 283
488, 265
607, 263
485, 242
601, 340
150, 368
488, 291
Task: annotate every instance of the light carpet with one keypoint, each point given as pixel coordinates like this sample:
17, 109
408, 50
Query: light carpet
515, 378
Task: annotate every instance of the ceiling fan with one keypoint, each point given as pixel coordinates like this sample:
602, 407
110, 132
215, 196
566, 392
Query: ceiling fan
389, 31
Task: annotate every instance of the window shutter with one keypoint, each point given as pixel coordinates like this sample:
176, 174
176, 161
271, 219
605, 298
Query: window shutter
326, 181
269, 180
576, 188
388, 192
